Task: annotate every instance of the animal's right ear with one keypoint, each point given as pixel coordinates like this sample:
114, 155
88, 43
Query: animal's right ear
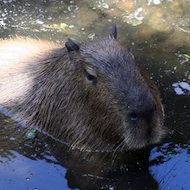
71, 47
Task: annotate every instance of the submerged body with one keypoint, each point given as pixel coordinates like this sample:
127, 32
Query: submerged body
93, 96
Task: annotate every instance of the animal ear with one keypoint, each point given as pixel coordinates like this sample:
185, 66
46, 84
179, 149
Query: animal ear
71, 46
114, 31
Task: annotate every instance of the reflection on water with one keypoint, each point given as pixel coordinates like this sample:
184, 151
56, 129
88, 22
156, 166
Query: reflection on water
173, 173
158, 34
20, 172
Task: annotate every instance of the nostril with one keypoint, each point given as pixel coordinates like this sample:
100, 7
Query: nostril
146, 115
133, 116
155, 108
142, 113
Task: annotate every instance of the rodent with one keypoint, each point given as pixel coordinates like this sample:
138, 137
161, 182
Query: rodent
92, 96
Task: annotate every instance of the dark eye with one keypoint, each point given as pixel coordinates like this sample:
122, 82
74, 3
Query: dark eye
90, 77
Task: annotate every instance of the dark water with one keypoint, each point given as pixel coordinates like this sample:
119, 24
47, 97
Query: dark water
158, 32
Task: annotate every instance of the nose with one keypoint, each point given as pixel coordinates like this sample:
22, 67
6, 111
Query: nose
142, 114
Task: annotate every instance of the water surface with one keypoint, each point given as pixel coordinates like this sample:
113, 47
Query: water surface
158, 33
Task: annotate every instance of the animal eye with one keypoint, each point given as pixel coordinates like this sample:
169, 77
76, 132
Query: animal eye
90, 77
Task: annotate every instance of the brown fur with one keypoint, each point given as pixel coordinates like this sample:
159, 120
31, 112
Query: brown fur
44, 86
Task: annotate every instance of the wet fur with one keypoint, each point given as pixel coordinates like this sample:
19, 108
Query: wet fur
44, 85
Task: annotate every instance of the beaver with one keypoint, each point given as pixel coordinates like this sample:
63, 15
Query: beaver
91, 96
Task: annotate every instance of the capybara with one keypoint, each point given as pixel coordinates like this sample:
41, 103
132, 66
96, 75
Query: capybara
91, 96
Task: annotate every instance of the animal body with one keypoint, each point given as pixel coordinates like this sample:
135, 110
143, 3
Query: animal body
92, 96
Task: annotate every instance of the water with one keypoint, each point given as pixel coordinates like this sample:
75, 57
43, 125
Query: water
158, 33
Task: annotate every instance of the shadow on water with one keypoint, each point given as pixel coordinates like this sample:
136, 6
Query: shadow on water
158, 34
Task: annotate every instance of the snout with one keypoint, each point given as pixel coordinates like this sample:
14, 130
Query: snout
144, 126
